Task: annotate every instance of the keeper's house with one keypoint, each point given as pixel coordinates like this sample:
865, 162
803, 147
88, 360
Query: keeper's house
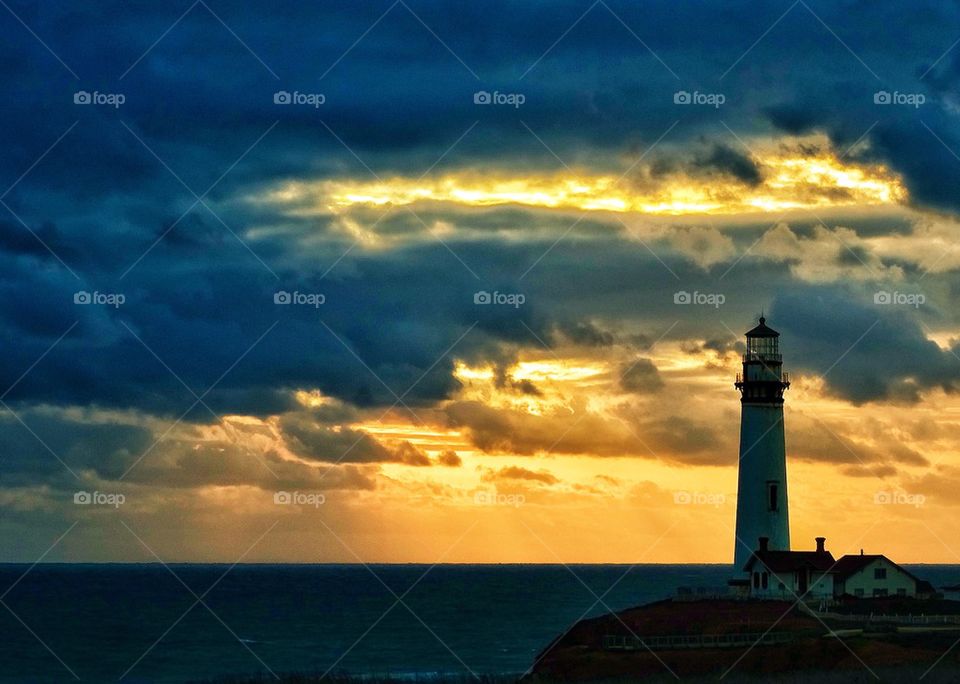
876, 576
790, 574
815, 574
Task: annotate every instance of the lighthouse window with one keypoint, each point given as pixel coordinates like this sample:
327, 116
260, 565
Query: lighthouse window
773, 496
762, 346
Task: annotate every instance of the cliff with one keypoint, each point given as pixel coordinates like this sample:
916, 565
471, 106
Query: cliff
746, 640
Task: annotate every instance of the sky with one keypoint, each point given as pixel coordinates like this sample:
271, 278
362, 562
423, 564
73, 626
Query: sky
425, 282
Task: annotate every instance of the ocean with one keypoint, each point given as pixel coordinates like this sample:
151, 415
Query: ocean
135, 622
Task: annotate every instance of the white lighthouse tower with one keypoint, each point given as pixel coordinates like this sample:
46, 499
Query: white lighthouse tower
762, 485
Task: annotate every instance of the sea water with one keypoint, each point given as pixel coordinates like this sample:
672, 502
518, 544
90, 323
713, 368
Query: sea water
144, 623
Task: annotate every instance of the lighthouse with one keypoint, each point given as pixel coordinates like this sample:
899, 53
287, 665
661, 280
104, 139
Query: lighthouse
762, 510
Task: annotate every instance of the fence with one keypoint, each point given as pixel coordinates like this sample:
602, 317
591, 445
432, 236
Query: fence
908, 619
631, 643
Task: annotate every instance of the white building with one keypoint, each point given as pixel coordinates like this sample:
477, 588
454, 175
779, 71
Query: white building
762, 509
876, 576
789, 575
775, 574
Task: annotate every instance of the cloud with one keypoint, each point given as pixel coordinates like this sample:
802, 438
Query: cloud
519, 473
449, 458
640, 376
941, 483
633, 432
724, 159
585, 333
867, 352
503, 380
880, 471
99, 385
311, 439
121, 450
825, 254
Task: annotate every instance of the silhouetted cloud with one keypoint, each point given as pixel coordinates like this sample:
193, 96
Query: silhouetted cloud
518, 473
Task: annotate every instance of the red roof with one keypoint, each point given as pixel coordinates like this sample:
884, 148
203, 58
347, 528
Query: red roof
851, 564
787, 561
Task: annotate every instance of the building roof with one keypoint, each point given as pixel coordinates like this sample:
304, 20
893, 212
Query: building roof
787, 561
822, 561
763, 330
955, 587
851, 564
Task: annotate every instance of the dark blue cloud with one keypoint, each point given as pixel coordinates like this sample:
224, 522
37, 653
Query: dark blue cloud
863, 351
399, 99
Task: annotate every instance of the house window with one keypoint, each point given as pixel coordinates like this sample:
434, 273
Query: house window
858, 593
901, 592
764, 580
773, 496
879, 592
756, 580
879, 573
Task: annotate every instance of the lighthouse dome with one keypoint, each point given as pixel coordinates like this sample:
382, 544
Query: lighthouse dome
763, 330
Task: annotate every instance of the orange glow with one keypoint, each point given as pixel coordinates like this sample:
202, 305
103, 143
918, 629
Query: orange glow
789, 182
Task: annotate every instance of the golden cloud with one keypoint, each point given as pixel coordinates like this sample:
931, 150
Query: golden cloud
790, 178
